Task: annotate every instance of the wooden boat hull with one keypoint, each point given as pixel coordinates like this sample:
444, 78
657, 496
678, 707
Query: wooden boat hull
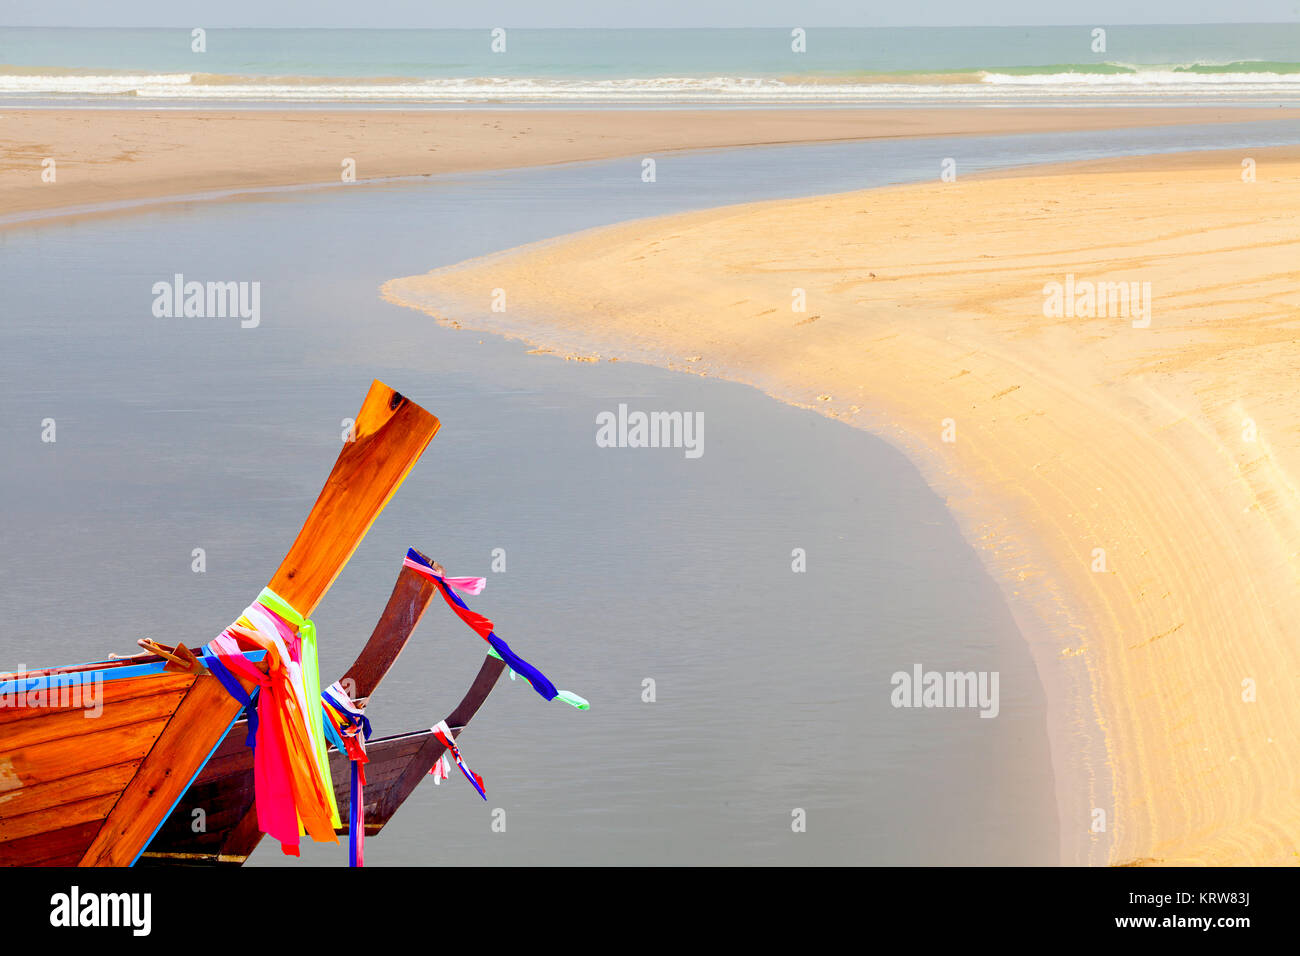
122, 781
61, 774
216, 820
396, 767
398, 764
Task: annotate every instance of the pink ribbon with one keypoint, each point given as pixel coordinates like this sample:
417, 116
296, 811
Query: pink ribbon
469, 586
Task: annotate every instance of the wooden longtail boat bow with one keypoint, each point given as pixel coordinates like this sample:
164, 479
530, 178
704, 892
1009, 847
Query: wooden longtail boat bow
224, 790
92, 792
398, 764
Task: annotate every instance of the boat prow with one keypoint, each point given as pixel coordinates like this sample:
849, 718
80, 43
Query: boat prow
397, 764
215, 822
92, 792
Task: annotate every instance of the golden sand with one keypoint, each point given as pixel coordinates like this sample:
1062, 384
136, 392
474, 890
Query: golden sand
112, 155
1135, 490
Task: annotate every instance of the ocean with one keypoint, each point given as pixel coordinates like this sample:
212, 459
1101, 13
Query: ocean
825, 66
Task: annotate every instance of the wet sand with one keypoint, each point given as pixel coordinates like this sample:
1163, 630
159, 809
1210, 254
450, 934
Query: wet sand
119, 155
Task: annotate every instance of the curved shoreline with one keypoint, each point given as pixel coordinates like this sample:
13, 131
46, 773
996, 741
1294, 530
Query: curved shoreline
111, 156
1083, 434
1079, 756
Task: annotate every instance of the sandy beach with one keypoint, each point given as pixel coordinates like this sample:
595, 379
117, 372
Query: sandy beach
1131, 475
116, 155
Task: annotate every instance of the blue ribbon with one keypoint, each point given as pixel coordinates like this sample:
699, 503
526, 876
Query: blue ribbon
523, 668
355, 826
331, 732
356, 797
356, 720
236, 690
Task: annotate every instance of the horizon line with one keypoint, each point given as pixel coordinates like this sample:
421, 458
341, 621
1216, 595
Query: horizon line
790, 26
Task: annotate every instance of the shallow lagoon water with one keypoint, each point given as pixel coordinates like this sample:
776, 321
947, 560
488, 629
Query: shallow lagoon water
622, 565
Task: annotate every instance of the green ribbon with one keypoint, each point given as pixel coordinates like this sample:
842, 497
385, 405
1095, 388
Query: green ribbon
311, 685
570, 698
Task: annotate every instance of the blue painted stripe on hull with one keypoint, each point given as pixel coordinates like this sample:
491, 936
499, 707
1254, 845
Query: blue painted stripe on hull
172, 809
76, 678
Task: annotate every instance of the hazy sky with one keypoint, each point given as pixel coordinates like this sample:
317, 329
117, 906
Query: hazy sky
629, 13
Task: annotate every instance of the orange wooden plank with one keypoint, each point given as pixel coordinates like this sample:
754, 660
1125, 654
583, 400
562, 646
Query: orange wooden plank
197, 725
57, 759
391, 434
66, 814
69, 723
52, 848
78, 786
110, 692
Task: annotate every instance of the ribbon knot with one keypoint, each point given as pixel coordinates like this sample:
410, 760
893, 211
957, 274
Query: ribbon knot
349, 728
290, 764
440, 769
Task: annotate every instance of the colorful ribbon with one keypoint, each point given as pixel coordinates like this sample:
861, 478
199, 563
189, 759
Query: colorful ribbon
484, 628
290, 771
349, 729
236, 690
568, 697
311, 679
439, 771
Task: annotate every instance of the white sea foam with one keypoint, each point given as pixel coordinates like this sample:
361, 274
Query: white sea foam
668, 89
1174, 79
